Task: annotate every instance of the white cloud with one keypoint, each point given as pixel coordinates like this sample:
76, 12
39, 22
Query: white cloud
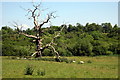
24, 26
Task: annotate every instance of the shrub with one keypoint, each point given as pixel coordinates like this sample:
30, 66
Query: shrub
13, 57
54, 59
79, 63
67, 61
96, 35
64, 59
57, 60
41, 73
29, 70
46, 59
89, 61
38, 72
47, 52
109, 53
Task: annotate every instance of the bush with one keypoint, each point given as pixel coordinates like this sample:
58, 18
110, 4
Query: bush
96, 35
11, 50
54, 59
89, 61
109, 53
29, 70
100, 48
47, 52
79, 63
82, 48
41, 73
64, 59
8, 50
13, 57
46, 59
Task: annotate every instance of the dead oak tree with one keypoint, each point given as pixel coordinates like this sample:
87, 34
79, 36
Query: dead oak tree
38, 29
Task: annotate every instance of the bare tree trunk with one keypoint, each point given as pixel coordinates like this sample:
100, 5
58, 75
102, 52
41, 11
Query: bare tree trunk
38, 44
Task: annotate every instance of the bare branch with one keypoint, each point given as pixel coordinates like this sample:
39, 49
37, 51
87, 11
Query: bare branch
49, 45
23, 8
20, 31
58, 34
33, 54
49, 16
16, 25
29, 10
57, 54
46, 21
55, 51
30, 36
52, 41
21, 28
34, 15
37, 5
44, 9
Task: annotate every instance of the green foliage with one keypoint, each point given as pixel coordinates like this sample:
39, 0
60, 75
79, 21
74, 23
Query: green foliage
64, 59
100, 48
115, 48
53, 59
46, 59
11, 50
89, 61
97, 35
47, 52
107, 27
29, 70
41, 72
89, 40
109, 53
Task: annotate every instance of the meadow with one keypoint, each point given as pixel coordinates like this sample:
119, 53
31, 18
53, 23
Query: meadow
94, 67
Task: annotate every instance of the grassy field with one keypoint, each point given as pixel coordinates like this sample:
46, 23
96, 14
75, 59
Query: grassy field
100, 67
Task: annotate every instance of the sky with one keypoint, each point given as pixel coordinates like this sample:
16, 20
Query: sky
67, 12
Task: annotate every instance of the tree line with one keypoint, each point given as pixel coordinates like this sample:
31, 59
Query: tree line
75, 40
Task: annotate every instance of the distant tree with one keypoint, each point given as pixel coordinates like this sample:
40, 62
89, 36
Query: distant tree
100, 48
114, 32
93, 27
96, 35
6, 30
79, 27
85, 27
107, 27
70, 28
65, 28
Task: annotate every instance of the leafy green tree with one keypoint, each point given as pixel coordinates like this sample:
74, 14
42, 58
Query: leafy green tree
107, 27
96, 35
114, 32
100, 48
89, 40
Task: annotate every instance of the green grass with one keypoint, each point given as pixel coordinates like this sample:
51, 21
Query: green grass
101, 67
